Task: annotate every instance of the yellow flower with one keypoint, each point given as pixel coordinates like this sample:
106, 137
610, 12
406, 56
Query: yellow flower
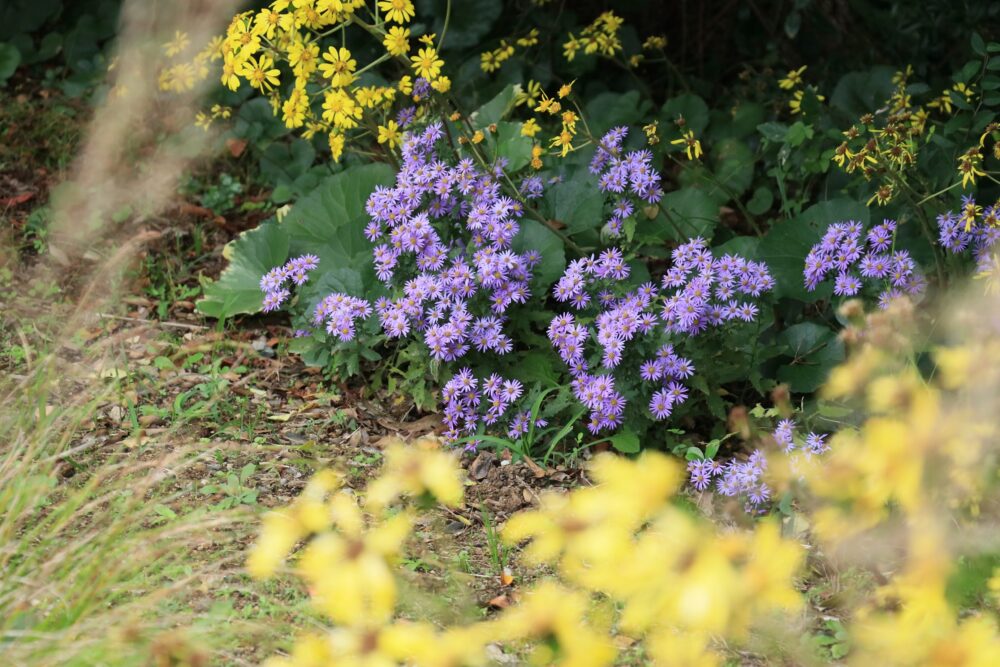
339, 67
389, 133
260, 73
563, 141
303, 56
397, 41
400, 11
652, 134
442, 84
341, 109
295, 108
968, 167
419, 469
477, 137
202, 120
530, 128
229, 74
548, 105
692, 146
336, 141
266, 22
426, 63
883, 195
528, 95
177, 44
569, 119
566, 89
536, 157
792, 79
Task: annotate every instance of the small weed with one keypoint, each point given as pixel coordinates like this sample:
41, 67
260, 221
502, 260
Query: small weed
498, 554
234, 488
832, 640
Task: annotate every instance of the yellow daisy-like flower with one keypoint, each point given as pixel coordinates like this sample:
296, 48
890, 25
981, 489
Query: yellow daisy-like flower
177, 44
442, 84
426, 63
202, 120
266, 22
530, 128
260, 72
397, 41
389, 134
295, 108
968, 167
303, 56
399, 11
341, 109
528, 95
563, 141
229, 72
339, 67
566, 89
405, 84
792, 79
336, 145
692, 146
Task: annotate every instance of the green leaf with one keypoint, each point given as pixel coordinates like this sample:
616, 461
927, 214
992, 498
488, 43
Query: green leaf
786, 244
576, 203
251, 255
733, 167
536, 236
608, 110
626, 442
775, 132
858, 93
495, 110
761, 201
978, 45
815, 350
511, 145
693, 211
330, 221
10, 58
689, 106
468, 23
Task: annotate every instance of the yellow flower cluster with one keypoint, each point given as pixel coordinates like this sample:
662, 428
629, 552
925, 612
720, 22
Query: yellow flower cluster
678, 582
793, 81
888, 148
182, 76
916, 471
324, 95
490, 61
600, 37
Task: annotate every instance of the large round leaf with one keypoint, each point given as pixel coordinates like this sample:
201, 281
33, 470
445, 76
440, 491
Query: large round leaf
250, 256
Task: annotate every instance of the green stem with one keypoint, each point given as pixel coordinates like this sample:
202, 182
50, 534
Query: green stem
444, 30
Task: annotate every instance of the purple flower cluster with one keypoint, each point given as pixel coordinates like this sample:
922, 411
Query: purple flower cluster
412, 221
842, 249
784, 435
339, 311
706, 288
623, 175
521, 424
745, 479
734, 479
464, 397
697, 292
273, 282
958, 233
